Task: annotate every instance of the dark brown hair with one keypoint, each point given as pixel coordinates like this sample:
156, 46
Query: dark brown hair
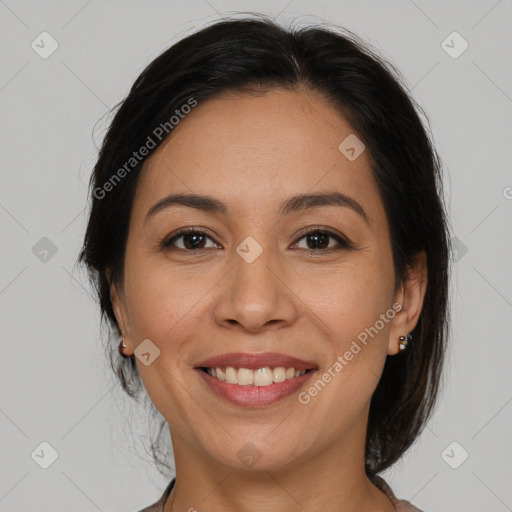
256, 54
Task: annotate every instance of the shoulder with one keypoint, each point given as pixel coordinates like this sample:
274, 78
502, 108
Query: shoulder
159, 505
400, 505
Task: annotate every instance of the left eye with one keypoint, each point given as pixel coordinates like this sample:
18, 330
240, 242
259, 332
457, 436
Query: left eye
320, 240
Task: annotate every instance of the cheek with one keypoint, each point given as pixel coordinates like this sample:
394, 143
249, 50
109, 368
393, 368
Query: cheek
349, 303
159, 297
351, 297
161, 305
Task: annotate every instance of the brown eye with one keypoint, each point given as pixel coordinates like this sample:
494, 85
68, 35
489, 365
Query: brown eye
318, 241
193, 239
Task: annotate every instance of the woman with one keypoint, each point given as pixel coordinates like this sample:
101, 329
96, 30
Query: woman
269, 244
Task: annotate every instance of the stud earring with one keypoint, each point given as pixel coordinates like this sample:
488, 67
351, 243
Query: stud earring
404, 340
121, 346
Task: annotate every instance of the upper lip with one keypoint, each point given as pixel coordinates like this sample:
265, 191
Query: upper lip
254, 361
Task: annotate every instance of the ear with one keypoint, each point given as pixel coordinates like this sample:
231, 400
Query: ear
119, 306
410, 296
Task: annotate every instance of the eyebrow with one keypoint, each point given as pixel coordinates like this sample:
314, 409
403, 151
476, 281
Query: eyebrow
295, 203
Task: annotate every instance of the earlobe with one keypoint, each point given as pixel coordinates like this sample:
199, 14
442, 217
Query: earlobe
119, 311
410, 296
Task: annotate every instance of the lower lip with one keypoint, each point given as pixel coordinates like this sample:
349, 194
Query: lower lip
255, 396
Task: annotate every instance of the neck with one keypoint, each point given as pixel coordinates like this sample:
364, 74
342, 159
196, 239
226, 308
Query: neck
332, 480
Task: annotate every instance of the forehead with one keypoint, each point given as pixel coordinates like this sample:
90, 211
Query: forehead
251, 151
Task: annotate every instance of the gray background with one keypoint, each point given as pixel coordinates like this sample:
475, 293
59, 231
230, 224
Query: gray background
55, 384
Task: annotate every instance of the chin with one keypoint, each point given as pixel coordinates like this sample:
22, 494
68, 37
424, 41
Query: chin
253, 455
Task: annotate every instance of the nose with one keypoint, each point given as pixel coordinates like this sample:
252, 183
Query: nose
257, 294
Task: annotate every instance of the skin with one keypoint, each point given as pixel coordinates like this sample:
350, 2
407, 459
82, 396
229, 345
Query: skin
252, 152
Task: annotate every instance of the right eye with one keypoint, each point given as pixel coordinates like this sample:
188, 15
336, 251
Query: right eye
193, 240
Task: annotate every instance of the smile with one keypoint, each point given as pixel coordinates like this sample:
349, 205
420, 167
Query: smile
265, 376
266, 393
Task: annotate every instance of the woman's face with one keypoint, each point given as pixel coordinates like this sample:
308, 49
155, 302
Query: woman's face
253, 282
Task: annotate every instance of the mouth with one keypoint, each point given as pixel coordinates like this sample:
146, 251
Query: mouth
264, 376
254, 380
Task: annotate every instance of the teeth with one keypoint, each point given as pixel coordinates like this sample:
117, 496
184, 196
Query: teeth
245, 376
260, 377
290, 373
263, 376
231, 375
279, 374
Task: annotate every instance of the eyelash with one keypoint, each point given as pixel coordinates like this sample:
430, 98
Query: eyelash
344, 243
